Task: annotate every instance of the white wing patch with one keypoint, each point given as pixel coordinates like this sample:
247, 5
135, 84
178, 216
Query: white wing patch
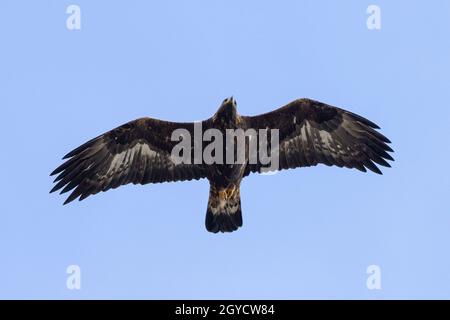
145, 149
122, 162
326, 139
303, 132
320, 140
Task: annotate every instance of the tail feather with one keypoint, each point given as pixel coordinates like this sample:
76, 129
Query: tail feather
224, 210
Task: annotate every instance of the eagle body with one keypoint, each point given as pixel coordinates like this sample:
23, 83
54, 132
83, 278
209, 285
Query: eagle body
224, 205
309, 132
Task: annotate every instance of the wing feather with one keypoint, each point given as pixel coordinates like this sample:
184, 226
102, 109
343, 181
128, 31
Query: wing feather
312, 132
137, 152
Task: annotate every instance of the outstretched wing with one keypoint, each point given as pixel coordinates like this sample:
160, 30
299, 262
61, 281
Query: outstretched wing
137, 152
312, 132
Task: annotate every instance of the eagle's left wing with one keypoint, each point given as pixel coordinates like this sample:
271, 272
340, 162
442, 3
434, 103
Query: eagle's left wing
312, 132
137, 152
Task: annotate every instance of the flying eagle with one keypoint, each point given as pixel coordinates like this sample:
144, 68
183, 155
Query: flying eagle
139, 152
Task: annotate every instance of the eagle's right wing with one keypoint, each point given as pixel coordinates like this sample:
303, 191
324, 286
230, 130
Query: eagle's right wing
137, 152
312, 132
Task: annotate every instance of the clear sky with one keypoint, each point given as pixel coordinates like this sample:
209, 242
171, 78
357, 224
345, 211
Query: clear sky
308, 233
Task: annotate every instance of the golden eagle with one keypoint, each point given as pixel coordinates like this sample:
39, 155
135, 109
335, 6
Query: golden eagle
140, 152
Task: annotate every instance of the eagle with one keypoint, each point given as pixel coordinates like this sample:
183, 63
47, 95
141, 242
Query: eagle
141, 152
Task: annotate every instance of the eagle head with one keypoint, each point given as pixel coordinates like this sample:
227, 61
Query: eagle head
227, 110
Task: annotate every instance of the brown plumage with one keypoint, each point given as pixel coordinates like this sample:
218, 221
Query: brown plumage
139, 152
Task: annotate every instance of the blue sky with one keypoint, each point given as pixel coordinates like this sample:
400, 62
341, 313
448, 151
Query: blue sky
308, 233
